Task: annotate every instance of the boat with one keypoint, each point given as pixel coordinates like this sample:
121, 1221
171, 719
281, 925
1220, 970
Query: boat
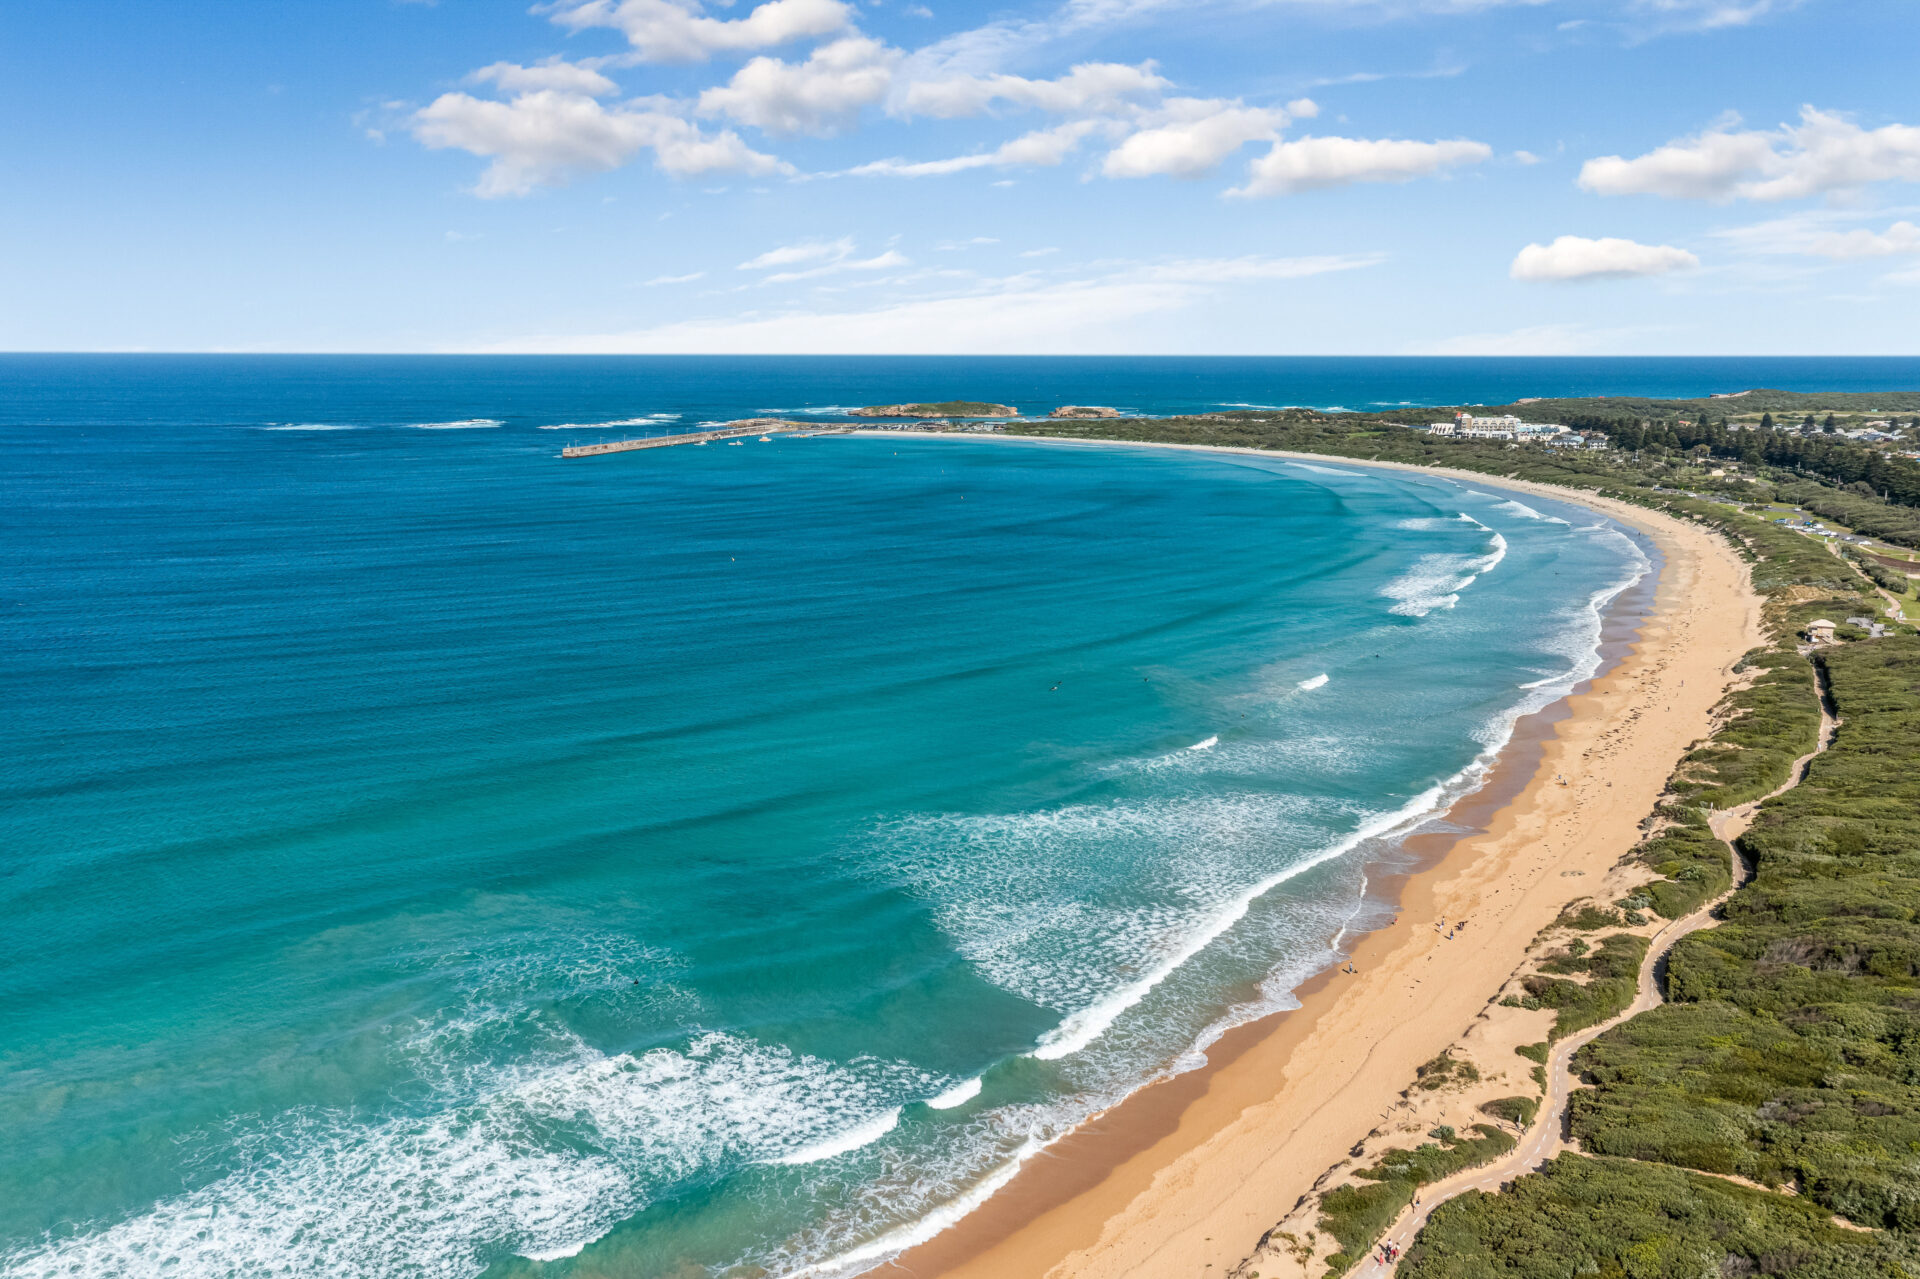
766, 439
736, 443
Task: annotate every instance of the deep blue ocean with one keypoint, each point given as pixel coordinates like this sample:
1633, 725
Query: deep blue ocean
422, 856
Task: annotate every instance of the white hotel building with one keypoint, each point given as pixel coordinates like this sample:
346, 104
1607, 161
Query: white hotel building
1505, 427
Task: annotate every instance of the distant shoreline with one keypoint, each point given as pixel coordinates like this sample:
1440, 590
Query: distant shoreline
1202, 1163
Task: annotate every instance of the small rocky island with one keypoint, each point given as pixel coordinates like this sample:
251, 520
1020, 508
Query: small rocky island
947, 408
1084, 410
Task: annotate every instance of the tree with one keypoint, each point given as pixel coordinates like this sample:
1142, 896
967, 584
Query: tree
1766, 421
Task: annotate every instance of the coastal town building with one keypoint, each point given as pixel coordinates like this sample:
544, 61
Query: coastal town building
1505, 426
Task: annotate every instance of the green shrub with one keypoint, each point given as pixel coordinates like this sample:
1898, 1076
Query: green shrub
1357, 1215
1616, 1220
1515, 1110
1791, 1050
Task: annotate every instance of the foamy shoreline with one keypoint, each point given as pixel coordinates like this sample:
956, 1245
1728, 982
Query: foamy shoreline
1186, 1173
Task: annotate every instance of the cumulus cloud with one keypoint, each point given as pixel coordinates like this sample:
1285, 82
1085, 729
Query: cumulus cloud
1573, 257
662, 31
1091, 88
567, 77
1041, 148
1308, 164
546, 137
1189, 137
820, 96
1824, 152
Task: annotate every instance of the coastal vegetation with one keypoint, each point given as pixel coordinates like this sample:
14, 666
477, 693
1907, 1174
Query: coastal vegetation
1614, 1219
1356, 1215
945, 408
1788, 1052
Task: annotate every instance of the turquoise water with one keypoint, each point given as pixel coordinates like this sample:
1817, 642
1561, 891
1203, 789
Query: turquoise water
425, 857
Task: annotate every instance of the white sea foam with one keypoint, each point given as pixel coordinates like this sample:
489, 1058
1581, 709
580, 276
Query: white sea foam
1207, 745
330, 1192
852, 1139
958, 1095
464, 424
1521, 509
1317, 681
1436, 580
901, 1238
1083, 1027
311, 426
1328, 470
651, 420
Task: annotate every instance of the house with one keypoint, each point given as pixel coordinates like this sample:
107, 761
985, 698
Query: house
1820, 632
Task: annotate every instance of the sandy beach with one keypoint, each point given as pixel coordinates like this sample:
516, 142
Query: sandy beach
1184, 1176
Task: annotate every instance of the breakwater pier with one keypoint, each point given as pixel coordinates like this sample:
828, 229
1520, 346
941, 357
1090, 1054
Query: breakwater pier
732, 430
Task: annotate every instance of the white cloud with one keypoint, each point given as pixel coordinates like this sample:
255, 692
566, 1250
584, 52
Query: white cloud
1817, 233
689, 278
1021, 314
1043, 147
546, 137
567, 77
820, 96
1041, 253
807, 251
1188, 137
1573, 257
661, 31
1090, 88
1901, 237
1824, 152
880, 262
1706, 15
1311, 163
1255, 267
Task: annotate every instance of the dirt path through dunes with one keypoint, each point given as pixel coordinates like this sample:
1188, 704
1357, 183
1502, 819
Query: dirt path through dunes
1546, 1138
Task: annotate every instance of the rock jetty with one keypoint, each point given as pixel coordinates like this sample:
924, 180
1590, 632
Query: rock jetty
947, 408
1084, 410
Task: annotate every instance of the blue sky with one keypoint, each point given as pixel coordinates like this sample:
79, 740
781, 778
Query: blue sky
1173, 176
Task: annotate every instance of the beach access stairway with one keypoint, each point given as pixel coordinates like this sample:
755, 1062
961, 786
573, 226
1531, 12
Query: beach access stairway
732, 430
